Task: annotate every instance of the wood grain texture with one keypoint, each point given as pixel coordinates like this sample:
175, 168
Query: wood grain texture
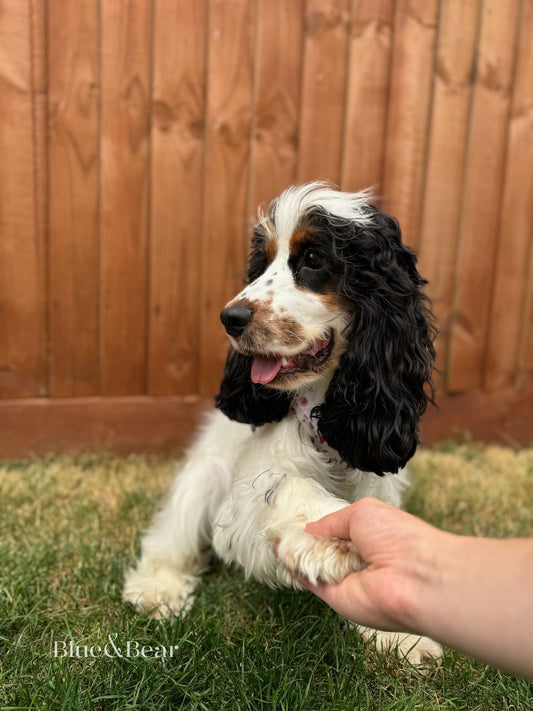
525, 348
323, 83
447, 145
415, 24
225, 238
367, 94
503, 416
482, 194
38, 426
509, 317
23, 358
179, 76
278, 72
73, 207
125, 120
39, 80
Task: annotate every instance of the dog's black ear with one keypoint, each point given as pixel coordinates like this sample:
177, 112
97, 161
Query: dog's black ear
383, 383
244, 401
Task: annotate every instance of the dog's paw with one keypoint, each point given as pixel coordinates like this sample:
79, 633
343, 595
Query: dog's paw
159, 591
326, 559
418, 651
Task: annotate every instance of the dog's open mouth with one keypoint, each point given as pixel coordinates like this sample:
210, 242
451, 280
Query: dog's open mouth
265, 369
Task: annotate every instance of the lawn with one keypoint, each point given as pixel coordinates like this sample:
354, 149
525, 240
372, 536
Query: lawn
70, 527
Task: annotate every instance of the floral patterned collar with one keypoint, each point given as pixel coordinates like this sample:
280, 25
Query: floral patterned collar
302, 405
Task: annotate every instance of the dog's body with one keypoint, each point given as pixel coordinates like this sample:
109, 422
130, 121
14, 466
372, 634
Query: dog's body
319, 405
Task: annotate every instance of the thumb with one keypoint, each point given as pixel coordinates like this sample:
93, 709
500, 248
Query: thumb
336, 524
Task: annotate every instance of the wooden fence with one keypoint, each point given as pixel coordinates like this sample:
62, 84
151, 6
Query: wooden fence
137, 138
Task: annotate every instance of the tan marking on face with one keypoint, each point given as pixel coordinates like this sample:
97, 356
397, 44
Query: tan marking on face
268, 330
270, 334
301, 236
289, 332
262, 309
271, 249
332, 301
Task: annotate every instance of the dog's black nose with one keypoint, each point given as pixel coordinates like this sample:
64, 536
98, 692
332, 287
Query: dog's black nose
235, 319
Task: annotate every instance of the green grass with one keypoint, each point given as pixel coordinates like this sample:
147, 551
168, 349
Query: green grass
70, 526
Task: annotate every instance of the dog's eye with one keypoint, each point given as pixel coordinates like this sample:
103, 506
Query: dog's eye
312, 259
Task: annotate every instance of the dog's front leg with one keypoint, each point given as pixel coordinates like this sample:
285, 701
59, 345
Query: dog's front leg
273, 509
177, 546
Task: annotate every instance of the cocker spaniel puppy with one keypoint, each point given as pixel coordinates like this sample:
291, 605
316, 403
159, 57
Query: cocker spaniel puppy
328, 373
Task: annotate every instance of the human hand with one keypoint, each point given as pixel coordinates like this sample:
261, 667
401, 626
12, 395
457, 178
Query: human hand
422, 580
400, 551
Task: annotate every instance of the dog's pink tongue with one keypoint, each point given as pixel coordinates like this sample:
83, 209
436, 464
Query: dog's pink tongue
265, 369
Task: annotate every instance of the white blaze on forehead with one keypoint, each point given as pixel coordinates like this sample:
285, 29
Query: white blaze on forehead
273, 283
276, 286
287, 210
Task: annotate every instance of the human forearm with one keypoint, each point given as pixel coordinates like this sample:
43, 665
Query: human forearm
478, 598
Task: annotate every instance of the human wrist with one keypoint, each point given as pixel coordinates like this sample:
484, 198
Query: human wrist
429, 571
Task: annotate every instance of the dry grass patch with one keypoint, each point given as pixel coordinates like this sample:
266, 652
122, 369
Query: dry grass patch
94, 491
474, 490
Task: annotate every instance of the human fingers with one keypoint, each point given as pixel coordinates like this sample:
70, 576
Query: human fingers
353, 598
346, 598
343, 523
336, 524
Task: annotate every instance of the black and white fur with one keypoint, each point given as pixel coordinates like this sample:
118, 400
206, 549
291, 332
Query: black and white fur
333, 317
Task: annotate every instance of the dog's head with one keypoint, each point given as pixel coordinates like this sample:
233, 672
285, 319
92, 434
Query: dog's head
332, 295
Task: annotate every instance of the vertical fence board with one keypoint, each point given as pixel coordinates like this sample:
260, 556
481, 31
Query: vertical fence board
73, 150
525, 346
515, 236
409, 109
176, 195
323, 83
482, 194
367, 94
23, 366
448, 136
39, 78
126, 69
230, 78
277, 109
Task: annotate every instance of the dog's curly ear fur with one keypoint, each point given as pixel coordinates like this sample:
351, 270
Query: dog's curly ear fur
244, 401
383, 382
